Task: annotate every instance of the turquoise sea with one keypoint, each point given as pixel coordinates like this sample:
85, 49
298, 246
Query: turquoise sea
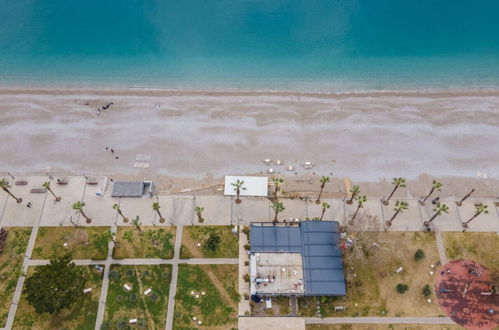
330, 45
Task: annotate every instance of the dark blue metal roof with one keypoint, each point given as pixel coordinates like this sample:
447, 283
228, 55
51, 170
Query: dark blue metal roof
318, 243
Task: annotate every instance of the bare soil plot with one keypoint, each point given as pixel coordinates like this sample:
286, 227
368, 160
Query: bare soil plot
82, 315
123, 304
150, 242
195, 237
280, 307
480, 247
80, 242
371, 277
11, 260
217, 307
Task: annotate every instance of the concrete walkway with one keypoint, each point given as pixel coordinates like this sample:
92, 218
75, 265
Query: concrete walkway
379, 320
440, 247
173, 284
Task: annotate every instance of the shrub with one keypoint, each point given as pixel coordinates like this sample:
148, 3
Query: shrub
247, 247
419, 255
402, 288
246, 277
426, 291
212, 243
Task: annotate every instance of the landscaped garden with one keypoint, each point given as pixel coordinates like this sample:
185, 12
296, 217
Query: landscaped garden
81, 315
80, 242
209, 242
11, 260
206, 296
480, 247
387, 274
137, 292
148, 242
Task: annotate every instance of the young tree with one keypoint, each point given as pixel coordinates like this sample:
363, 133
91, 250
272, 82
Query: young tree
117, 208
277, 185
479, 209
56, 286
5, 185
400, 207
435, 185
199, 211
128, 236
78, 207
46, 185
438, 210
460, 203
354, 191
360, 203
156, 207
278, 208
136, 222
324, 180
212, 244
397, 182
238, 186
325, 206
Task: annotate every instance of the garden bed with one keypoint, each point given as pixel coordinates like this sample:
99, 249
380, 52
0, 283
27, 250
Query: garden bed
80, 242
124, 304
194, 242
150, 242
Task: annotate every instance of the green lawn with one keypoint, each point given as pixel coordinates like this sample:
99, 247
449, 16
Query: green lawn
81, 242
151, 242
11, 261
217, 308
480, 247
81, 316
194, 238
123, 305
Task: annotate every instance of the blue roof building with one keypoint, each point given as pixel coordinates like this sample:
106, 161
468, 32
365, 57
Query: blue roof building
300, 260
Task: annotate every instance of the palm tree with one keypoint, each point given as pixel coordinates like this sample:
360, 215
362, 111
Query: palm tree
117, 208
354, 191
400, 207
479, 209
78, 207
278, 208
198, 211
46, 185
156, 207
136, 222
324, 180
465, 197
325, 206
128, 236
5, 185
434, 186
360, 203
277, 185
438, 210
397, 182
238, 186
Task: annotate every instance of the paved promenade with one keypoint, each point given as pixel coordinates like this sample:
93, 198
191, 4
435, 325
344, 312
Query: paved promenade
218, 210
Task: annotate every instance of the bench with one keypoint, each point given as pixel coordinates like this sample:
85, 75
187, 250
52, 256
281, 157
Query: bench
92, 181
21, 183
38, 191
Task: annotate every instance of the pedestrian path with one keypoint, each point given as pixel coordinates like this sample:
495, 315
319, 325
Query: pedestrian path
379, 320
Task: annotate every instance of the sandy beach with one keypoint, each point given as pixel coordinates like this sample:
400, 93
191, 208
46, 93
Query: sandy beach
199, 136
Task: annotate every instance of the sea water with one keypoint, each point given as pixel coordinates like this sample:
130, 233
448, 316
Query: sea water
330, 45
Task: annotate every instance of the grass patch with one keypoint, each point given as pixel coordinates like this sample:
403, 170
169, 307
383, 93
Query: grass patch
371, 278
217, 308
123, 305
280, 307
81, 316
82, 243
11, 261
194, 235
152, 242
480, 247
